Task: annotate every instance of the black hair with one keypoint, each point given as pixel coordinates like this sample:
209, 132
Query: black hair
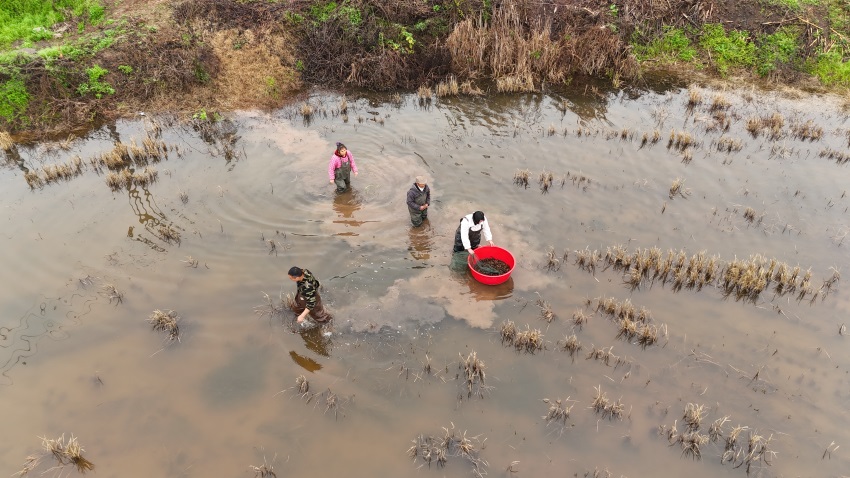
339, 146
477, 217
295, 271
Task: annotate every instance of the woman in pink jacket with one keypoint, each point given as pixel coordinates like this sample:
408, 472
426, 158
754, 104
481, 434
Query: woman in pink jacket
340, 168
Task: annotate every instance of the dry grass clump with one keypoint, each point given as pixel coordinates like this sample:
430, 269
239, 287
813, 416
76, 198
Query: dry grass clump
587, 259
168, 234
119, 180
604, 355
166, 322
677, 189
687, 156
546, 312
449, 87
694, 97
528, 340
508, 332
681, 140
263, 471
145, 177
728, 145
807, 131
64, 453
521, 177
602, 405
552, 261
468, 88
306, 111
425, 94
430, 448
6, 141
112, 293
840, 157
571, 344
515, 84
770, 125
750, 215
579, 318
558, 412
545, 181
473, 375
719, 102
33, 179
693, 416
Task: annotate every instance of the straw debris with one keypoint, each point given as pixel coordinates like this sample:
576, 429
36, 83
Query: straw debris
166, 322
65, 453
473, 375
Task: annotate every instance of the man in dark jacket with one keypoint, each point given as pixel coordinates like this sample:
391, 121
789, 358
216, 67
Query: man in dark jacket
418, 200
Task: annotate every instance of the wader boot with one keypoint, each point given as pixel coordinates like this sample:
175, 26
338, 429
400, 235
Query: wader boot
418, 215
342, 176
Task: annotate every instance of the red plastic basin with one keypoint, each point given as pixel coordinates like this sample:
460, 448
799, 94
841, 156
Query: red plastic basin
492, 252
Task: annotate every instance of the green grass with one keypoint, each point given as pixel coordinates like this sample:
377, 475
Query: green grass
13, 98
780, 47
94, 86
673, 45
831, 68
30, 20
731, 49
794, 5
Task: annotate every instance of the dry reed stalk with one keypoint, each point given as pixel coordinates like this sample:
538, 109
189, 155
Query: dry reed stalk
514, 84
166, 322
728, 145
677, 188
545, 181
468, 88
715, 431
750, 215
449, 87
424, 94
6, 141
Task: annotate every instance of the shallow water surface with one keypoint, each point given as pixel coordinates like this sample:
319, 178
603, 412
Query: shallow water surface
257, 201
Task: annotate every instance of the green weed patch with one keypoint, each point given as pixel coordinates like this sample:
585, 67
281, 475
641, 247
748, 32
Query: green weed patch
673, 45
13, 99
731, 49
30, 20
780, 47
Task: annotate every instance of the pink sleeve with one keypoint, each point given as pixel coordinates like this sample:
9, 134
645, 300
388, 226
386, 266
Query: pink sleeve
332, 167
353, 164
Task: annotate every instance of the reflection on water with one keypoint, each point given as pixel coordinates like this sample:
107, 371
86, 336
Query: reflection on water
421, 240
316, 340
306, 363
345, 204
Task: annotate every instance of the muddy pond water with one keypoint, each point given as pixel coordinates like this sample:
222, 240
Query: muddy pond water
238, 201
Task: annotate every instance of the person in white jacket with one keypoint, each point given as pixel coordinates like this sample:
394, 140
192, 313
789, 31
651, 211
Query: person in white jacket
472, 228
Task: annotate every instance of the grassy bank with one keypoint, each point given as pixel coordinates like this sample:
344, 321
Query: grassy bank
69, 62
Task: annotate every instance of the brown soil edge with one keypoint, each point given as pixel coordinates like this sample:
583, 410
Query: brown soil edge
189, 56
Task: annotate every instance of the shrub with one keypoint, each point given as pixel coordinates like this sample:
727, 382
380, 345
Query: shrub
94, 85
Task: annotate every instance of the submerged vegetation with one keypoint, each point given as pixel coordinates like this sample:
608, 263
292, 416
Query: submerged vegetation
71, 62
